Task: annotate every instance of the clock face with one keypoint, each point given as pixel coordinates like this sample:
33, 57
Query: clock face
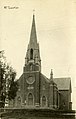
30, 80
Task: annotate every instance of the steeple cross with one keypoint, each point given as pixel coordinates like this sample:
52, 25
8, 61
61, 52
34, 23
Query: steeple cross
33, 11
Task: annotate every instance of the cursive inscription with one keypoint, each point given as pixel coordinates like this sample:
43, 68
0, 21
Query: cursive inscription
11, 7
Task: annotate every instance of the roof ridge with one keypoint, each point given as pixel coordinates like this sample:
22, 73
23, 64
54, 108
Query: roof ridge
45, 77
63, 83
63, 78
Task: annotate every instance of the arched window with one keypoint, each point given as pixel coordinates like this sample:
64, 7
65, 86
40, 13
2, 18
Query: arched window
31, 54
43, 101
30, 99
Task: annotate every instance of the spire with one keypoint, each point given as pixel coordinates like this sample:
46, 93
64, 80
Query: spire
51, 75
33, 54
33, 37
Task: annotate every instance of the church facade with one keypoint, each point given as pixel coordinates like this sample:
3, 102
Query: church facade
35, 89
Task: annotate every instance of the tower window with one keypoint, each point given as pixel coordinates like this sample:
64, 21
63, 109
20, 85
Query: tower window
31, 54
31, 67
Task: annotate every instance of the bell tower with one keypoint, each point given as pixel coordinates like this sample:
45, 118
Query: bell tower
33, 55
32, 69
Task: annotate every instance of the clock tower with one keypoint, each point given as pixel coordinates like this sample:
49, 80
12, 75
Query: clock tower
31, 70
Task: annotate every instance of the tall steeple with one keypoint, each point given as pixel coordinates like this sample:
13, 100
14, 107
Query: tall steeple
33, 54
33, 36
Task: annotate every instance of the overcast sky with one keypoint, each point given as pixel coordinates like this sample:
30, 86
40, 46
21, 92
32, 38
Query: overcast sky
56, 34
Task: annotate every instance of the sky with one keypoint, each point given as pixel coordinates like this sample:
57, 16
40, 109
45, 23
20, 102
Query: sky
56, 33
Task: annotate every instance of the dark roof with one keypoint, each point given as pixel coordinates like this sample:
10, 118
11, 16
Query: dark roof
44, 77
33, 37
63, 83
20, 78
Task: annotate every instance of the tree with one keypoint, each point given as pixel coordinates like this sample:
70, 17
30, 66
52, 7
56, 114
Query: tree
8, 85
13, 86
2, 79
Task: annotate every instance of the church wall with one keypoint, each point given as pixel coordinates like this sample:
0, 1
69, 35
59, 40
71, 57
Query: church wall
44, 89
51, 96
69, 96
55, 96
22, 82
31, 88
58, 99
69, 100
37, 88
27, 88
20, 98
64, 99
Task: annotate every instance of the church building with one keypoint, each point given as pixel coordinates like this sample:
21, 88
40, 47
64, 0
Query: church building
35, 89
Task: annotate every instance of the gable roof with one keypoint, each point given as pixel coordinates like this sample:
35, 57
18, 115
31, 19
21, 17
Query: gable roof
63, 83
20, 78
44, 77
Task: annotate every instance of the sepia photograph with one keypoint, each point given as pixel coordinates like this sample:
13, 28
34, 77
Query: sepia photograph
37, 59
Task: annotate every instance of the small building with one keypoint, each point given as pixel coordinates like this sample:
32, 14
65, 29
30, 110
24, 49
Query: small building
35, 89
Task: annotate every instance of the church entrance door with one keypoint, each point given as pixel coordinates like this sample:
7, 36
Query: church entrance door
30, 99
